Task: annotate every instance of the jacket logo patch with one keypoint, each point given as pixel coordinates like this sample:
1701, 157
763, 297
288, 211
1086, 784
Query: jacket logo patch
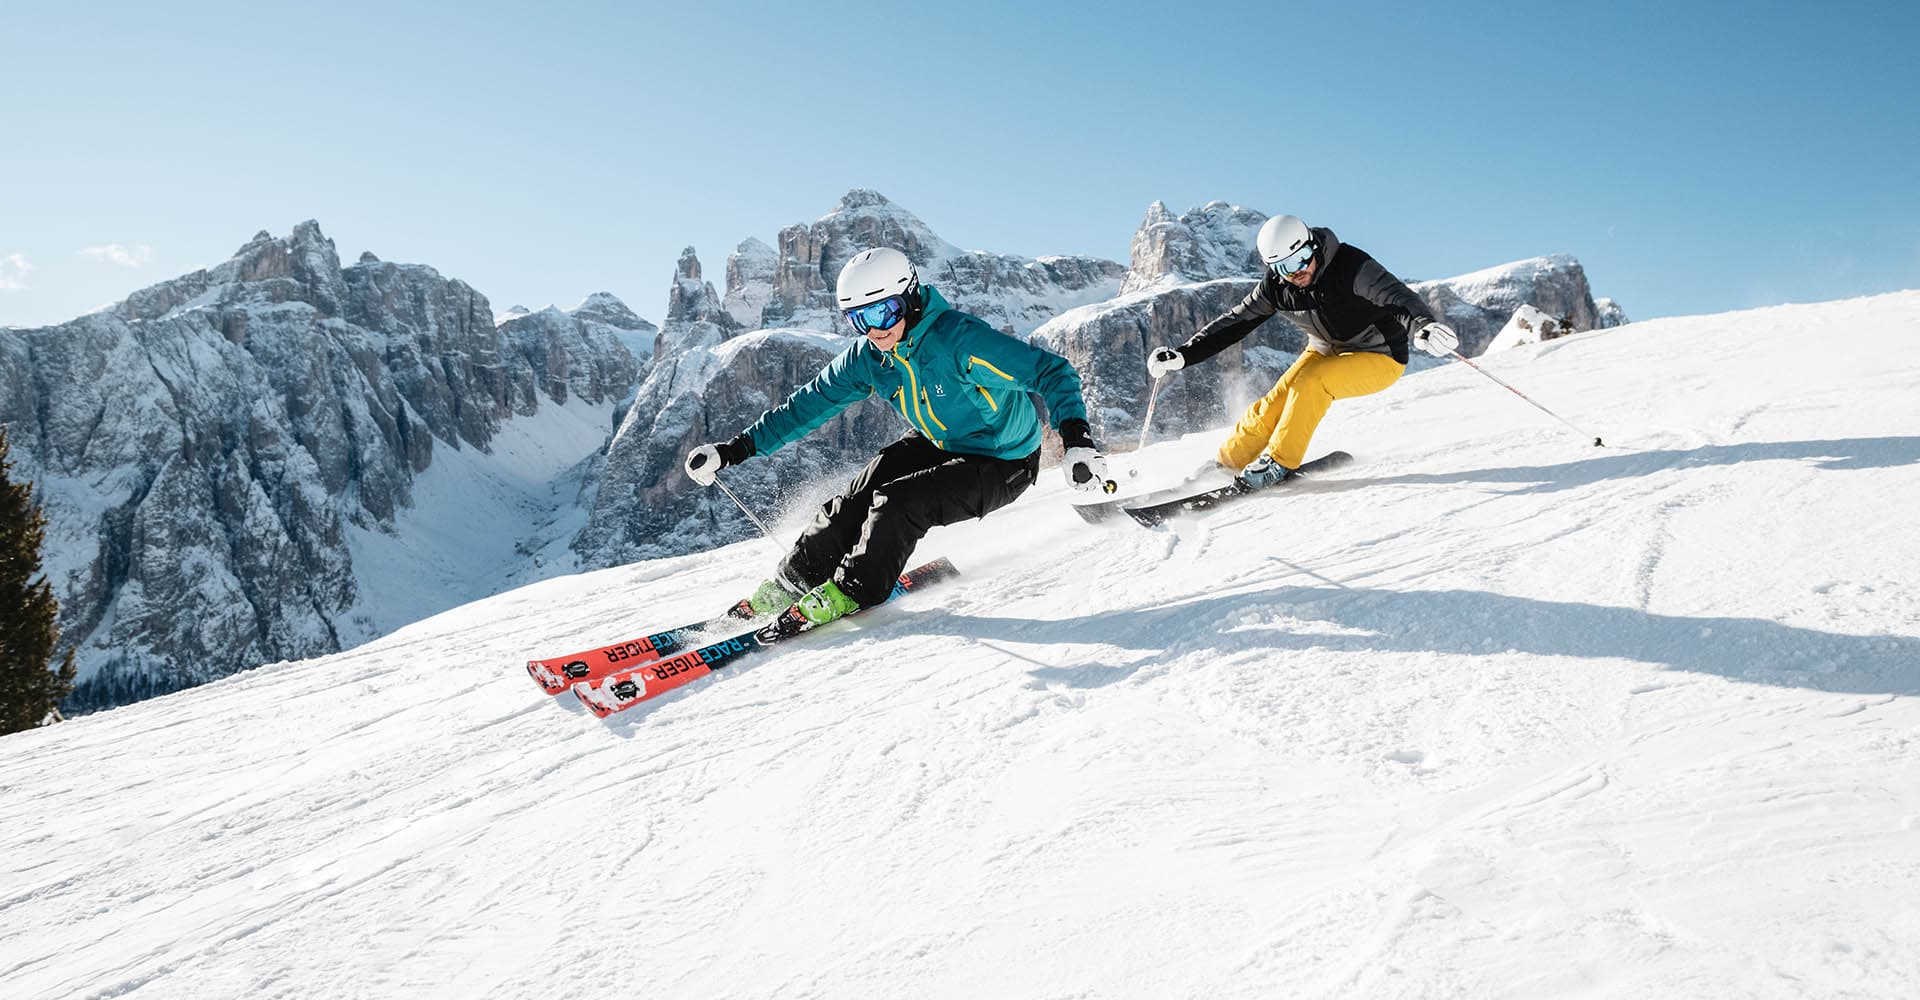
940, 390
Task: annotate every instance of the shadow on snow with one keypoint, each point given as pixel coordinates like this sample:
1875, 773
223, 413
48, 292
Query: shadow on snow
1841, 454
1460, 622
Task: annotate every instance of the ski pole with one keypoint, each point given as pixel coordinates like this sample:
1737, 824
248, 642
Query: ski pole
1596, 441
743, 507
1152, 396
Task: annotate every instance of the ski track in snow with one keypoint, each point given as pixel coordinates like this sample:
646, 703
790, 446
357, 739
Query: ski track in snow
1489, 713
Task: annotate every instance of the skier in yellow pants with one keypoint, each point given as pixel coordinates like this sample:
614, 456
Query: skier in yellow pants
1358, 318
1281, 423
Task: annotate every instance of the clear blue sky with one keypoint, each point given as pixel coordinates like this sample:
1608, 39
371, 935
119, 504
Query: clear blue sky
1697, 157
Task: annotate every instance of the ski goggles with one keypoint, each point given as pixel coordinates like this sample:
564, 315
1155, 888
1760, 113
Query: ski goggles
877, 315
1294, 262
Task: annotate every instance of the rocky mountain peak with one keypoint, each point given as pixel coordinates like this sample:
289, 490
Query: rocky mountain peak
306, 255
866, 219
263, 258
690, 299
688, 266
751, 250
863, 198
308, 233
606, 307
1212, 241
302, 267
696, 316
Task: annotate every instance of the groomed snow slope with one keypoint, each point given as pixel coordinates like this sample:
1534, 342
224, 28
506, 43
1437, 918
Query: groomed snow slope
1491, 713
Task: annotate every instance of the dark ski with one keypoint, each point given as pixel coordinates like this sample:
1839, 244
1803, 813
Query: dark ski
1154, 513
1095, 513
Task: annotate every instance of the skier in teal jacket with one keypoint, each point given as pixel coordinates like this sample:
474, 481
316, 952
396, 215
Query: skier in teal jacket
974, 445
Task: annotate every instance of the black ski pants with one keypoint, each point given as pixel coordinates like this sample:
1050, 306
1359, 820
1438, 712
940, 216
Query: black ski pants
862, 539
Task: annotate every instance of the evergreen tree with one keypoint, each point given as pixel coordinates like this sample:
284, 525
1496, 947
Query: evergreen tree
28, 635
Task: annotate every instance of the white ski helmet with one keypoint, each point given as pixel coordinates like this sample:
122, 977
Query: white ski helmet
1286, 244
873, 275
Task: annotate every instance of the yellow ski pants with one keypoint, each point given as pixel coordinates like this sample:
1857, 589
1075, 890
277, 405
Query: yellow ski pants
1283, 421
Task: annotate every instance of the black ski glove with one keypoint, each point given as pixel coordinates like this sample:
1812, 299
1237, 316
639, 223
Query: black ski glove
1075, 433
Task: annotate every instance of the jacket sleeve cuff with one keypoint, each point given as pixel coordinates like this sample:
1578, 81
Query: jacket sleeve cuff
1074, 433
737, 450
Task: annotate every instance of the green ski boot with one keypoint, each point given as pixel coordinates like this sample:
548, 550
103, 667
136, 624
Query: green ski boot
772, 598
826, 603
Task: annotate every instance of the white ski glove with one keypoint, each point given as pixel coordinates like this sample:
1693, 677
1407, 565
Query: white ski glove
705, 462
1086, 470
1163, 361
1437, 339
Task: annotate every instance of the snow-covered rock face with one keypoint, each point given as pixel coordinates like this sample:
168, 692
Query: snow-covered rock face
603, 314
1528, 325
593, 350
753, 271
1610, 314
202, 448
1478, 305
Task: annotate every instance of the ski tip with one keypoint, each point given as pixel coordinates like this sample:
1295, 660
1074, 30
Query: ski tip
1096, 513
584, 692
544, 675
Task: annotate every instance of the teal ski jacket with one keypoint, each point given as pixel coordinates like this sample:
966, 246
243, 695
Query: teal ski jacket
959, 382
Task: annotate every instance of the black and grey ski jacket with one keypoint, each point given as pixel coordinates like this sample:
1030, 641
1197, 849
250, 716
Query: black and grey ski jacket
1353, 304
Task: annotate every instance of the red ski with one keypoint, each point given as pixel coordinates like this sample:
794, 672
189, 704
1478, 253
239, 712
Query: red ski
625, 688
556, 674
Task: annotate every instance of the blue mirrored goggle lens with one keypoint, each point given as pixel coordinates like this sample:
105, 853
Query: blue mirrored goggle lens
876, 315
1294, 262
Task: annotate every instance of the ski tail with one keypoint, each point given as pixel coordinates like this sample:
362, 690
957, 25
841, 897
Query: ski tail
623, 689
